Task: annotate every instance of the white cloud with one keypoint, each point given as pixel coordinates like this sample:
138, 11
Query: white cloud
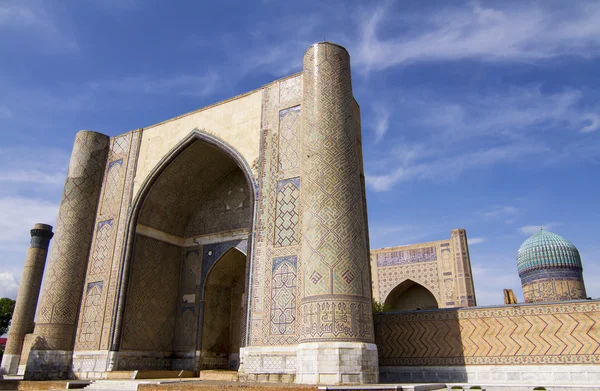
506, 212
490, 281
452, 166
9, 286
382, 121
511, 113
476, 240
32, 165
18, 217
525, 32
32, 21
533, 229
593, 125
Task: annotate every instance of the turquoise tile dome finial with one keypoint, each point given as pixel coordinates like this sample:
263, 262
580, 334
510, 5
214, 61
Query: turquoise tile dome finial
547, 250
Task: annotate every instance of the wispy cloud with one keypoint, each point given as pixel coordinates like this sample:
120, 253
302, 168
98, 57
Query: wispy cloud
38, 166
490, 280
182, 84
19, 216
508, 213
32, 21
476, 240
525, 32
510, 113
533, 229
450, 167
381, 113
594, 123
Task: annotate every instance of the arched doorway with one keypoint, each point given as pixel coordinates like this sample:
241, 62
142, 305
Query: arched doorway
409, 295
223, 306
197, 204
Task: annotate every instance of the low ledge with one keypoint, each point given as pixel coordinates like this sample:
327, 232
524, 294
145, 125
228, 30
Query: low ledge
381, 387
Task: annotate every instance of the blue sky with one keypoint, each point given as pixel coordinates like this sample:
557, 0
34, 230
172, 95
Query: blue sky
478, 115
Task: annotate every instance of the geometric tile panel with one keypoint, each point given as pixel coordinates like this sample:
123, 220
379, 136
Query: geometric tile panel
103, 247
92, 313
423, 274
289, 140
287, 218
561, 333
283, 295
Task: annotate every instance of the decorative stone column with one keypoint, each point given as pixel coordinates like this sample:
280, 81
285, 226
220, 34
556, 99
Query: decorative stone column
336, 322
51, 352
29, 291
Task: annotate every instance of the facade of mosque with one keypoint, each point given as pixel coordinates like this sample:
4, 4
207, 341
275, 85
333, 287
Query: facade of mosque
236, 237
550, 269
425, 275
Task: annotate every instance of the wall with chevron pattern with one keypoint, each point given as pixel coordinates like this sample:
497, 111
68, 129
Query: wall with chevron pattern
540, 334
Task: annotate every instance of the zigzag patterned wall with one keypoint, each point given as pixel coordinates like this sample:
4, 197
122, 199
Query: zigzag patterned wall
562, 333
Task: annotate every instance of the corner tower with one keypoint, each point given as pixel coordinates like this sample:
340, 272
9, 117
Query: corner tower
336, 324
550, 269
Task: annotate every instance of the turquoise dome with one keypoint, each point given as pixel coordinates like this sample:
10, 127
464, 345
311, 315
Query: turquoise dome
547, 250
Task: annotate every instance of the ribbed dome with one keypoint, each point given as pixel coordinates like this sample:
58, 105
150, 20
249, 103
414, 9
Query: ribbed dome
547, 250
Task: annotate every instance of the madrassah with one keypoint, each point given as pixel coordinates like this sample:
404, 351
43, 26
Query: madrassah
236, 237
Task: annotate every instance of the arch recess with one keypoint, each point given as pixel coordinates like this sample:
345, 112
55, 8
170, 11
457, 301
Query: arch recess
137, 206
410, 295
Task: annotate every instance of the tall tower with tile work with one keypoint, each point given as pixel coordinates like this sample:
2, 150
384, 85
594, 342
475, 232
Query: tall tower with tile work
29, 292
57, 312
335, 308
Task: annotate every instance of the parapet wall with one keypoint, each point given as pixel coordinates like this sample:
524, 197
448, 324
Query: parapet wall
554, 343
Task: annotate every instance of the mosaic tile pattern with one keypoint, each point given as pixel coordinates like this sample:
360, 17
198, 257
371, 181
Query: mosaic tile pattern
289, 138
149, 322
128, 145
91, 322
283, 295
564, 333
103, 260
547, 250
288, 216
65, 273
265, 230
544, 287
225, 207
336, 303
403, 257
426, 275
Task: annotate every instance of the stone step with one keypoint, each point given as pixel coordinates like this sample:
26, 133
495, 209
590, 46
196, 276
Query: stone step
125, 385
382, 387
215, 374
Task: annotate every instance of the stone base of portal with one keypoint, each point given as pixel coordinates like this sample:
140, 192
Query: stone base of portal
10, 363
337, 363
48, 365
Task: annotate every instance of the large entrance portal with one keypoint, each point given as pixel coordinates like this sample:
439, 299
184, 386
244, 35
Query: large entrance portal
184, 304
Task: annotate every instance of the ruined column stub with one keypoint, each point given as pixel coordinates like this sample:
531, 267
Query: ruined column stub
29, 291
63, 285
335, 309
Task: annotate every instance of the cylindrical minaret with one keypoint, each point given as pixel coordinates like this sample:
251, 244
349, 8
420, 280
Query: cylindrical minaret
336, 323
56, 321
550, 269
29, 291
